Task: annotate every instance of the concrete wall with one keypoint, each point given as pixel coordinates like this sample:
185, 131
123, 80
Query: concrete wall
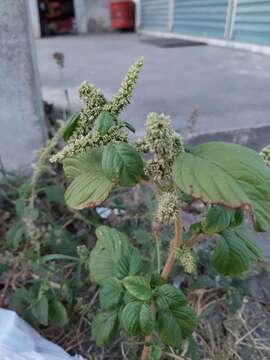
92, 16
21, 115
35, 20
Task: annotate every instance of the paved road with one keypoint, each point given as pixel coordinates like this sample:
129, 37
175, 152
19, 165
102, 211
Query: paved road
231, 88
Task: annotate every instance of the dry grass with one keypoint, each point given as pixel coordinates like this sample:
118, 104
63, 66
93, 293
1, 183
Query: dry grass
222, 335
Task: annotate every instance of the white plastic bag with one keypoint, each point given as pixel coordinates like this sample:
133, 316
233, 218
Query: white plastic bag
18, 341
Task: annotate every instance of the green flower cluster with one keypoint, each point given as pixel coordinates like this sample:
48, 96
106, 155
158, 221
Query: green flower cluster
184, 255
94, 102
93, 140
168, 208
33, 232
43, 157
124, 95
83, 253
265, 153
85, 136
164, 143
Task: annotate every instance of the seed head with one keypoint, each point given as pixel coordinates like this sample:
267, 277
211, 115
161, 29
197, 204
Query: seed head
186, 258
168, 208
124, 95
265, 153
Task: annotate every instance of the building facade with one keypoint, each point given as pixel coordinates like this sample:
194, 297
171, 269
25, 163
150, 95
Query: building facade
235, 21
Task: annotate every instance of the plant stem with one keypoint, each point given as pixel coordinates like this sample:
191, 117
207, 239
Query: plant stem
198, 238
148, 338
177, 241
195, 239
43, 159
158, 253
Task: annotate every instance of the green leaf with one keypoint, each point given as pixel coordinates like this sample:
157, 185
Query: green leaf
185, 319
25, 190
234, 252
155, 352
254, 252
129, 264
226, 174
40, 310
104, 122
138, 287
186, 198
142, 237
168, 295
122, 164
155, 279
21, 298
15, 235
89, 186
110, 294
57, 313
26, 212
147, 323
130, 317
113, 256
30, 213
195, 228
55, 193
128, 298
135, 261
175, 316
104, 327
217, 219
71, 125
20, 206
169, 329
238, 217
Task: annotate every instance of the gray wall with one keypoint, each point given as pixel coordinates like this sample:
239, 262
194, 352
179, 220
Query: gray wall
92, 15
21, 115
34, 16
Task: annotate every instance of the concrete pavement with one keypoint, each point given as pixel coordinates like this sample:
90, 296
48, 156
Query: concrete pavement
229, 87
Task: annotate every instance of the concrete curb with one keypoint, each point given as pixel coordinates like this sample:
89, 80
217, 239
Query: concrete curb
253, 137
259, 49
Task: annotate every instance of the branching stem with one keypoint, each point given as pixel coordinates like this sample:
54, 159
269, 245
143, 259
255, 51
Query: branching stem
194, 240
158, 253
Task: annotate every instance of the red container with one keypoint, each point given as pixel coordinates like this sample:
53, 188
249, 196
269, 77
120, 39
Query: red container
122, 14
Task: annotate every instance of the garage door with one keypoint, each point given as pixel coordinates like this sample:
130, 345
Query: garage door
155, 14
236, 20
206, 18
252, 21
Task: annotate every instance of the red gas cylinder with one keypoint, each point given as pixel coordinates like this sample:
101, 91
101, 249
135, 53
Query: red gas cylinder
122, 14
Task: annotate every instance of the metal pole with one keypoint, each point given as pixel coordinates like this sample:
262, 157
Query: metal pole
138, 6
232, 26
171, 15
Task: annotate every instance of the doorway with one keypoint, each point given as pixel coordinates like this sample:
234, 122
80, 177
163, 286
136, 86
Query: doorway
57, 17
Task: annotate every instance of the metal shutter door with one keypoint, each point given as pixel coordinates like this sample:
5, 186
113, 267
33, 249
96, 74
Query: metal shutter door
155, 15
252, 21
205, 18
